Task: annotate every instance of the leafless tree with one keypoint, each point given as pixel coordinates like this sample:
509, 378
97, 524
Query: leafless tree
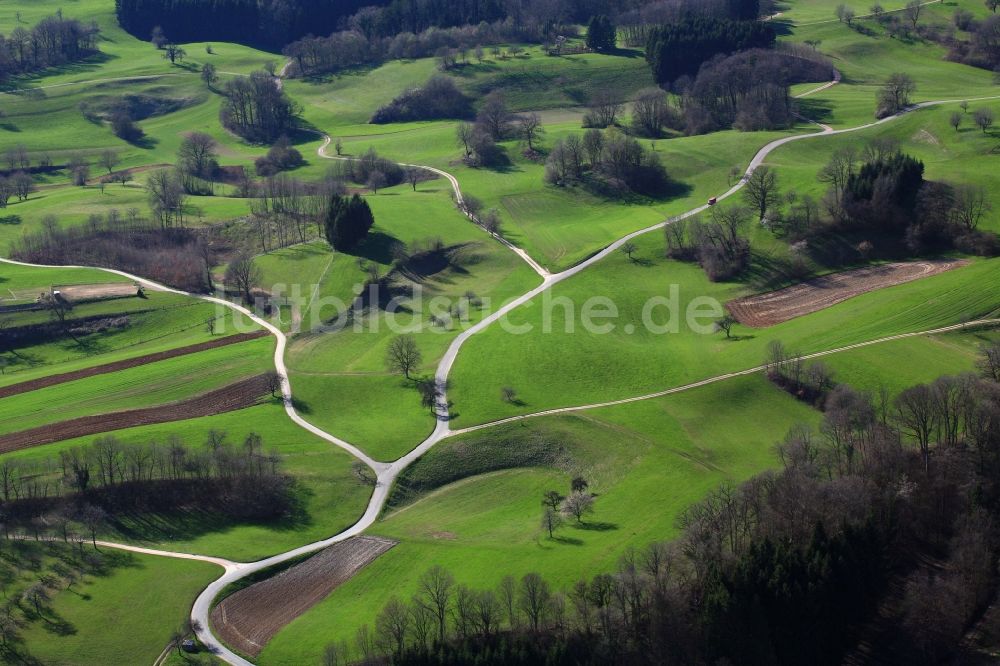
464, 133
392, 625
628, 248
969, 205
955, 119
983, 119
761, 190
912, 12
530, 129
989, 361
551, 520
603, 110
435, 590
916, 412
578, 504
109, 159
725, 324
494, 117
403, 355
534, 597
244, 274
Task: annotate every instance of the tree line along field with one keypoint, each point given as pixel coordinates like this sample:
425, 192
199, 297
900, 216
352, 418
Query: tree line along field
470, 502
662, 450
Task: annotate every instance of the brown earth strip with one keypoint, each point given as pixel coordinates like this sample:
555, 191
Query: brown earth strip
52, 380
819, 293
244, 393
246, 620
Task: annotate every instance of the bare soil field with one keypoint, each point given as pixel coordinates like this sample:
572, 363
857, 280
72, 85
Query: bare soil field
95, 292
777, 306
246, 620
52, 380
244, 393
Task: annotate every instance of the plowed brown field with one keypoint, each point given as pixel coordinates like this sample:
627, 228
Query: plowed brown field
244, 393
777, 306
52, 380
248, 619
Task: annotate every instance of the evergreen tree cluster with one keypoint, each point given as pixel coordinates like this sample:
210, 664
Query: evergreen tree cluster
348, 222
601, 34
678, 49
884, 191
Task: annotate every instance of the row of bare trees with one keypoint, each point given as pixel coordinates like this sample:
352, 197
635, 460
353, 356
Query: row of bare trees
52, 41
241, 481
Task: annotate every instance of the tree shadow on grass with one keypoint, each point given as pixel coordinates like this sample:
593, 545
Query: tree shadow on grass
567, 541
596, 526
301, 406
379, 247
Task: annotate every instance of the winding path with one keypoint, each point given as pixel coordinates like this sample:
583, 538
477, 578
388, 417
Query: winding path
387, 472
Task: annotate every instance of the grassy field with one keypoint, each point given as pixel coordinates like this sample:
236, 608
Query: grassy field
144, 386
483, 526
117, 608
329, 498
556, 368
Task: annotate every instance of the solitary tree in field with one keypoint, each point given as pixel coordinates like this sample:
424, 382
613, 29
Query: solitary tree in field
208, 74
964, 105
109, 159
376, 181
464, 134
912, 11
628, 249
173, 53
348, 222
272, 381
894, 96
725, 324
508, 394
338, 145
761, 190
414, 175
579, 484
551, 520
530, 128
955, 119
403, 355
983, 118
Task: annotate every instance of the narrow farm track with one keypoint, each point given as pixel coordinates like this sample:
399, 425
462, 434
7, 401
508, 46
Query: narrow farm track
387, 472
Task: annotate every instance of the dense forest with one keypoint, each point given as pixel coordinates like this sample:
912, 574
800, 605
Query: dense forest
275, 23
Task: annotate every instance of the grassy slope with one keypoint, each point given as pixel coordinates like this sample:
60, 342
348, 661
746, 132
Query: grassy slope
329, 495
482, 528
551, 369
144, 386
126, 616
340, 378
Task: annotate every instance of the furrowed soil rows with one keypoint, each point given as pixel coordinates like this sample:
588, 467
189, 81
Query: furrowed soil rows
777, 306
249, 618
52, 380
244, 393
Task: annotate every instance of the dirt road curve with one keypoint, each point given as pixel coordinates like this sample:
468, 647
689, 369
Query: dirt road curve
248, 619
238, 395
387, 472
777, 306
52, 380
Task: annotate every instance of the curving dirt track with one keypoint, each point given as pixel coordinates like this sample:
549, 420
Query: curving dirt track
244, 393
52, 380
249, 618
777, 306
